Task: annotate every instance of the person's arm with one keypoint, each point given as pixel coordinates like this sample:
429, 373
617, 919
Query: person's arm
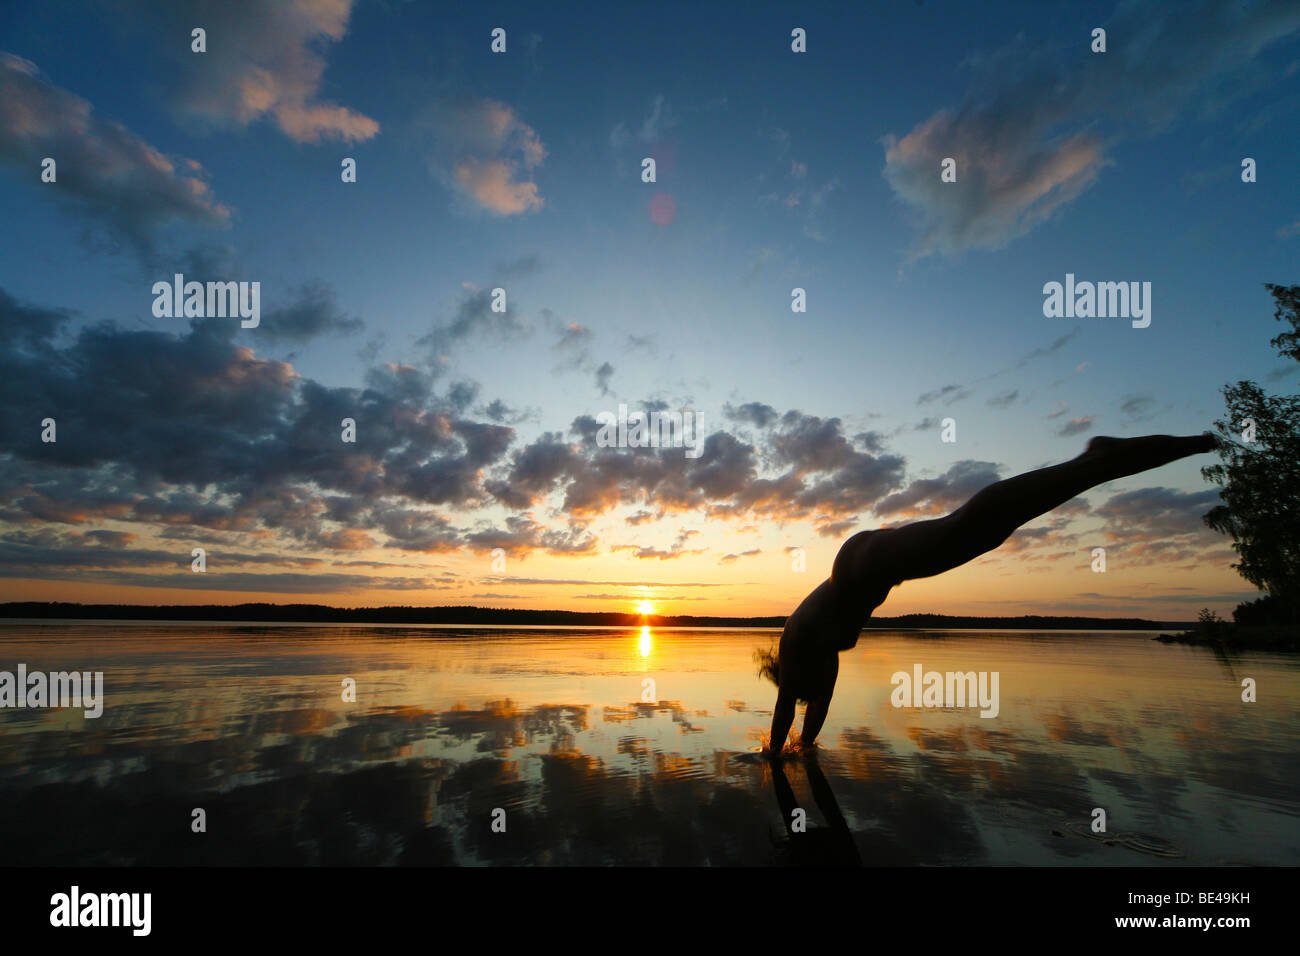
782, 718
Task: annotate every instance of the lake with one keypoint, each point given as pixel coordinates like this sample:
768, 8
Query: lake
576, 746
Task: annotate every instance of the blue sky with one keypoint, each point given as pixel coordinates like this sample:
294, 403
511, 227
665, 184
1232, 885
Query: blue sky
522, 171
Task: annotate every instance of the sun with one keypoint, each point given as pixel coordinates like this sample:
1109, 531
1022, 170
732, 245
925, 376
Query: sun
645, 607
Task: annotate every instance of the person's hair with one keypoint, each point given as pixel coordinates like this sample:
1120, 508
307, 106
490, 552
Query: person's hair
769, 664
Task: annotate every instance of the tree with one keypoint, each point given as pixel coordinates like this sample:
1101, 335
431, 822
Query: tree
1259, 476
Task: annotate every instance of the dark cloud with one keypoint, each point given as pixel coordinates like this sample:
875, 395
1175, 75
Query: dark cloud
573, 338
1138, 407
573, 346
949, 394
676, 550
499, 411
951, 490
534, 471
613, 584
1166, 512
313, 312
105, 173
518, 268
751, 413
473, 317
872, 441
217, 440
216, 437
1075, 426
522, 536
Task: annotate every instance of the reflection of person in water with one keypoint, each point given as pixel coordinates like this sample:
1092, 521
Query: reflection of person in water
831, 845
870, 563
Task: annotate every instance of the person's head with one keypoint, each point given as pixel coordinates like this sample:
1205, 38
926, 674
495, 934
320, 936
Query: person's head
806, 679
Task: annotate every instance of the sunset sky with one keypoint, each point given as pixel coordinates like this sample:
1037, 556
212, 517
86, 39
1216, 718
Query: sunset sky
521, 170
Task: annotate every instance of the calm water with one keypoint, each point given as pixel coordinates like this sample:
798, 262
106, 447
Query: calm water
450, 724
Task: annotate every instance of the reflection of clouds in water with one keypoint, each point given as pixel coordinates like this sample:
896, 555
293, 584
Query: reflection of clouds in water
412, 773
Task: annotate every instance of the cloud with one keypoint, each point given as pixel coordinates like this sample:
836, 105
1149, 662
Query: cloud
640, 343
573, 344
951, 490
657, 121
1137, 408
1044, 351
493, 184
473, 317
522, 536
613, 584
1007, 183
949, 394
812, 472
104, 171
801, 199
534, 471
484, 152
574, 338
518, 268
1075, 426
219, 441
217, 437
1166, 511
1032, 132
1159, 524
313, 313
263, 61
751, 413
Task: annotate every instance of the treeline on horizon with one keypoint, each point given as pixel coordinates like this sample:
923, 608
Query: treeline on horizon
465, 614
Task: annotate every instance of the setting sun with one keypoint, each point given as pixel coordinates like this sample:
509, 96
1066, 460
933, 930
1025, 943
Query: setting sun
645, 607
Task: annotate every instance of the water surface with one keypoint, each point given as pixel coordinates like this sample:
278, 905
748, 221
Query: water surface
558, 728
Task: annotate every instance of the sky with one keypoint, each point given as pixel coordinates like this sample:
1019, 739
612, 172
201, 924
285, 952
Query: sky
477, 474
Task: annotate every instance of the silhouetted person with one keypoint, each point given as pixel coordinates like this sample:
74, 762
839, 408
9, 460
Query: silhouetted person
870, 563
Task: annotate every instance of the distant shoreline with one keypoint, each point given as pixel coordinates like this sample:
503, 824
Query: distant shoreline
325, 614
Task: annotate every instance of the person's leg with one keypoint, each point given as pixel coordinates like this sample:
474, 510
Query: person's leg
782, 718
927, 548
